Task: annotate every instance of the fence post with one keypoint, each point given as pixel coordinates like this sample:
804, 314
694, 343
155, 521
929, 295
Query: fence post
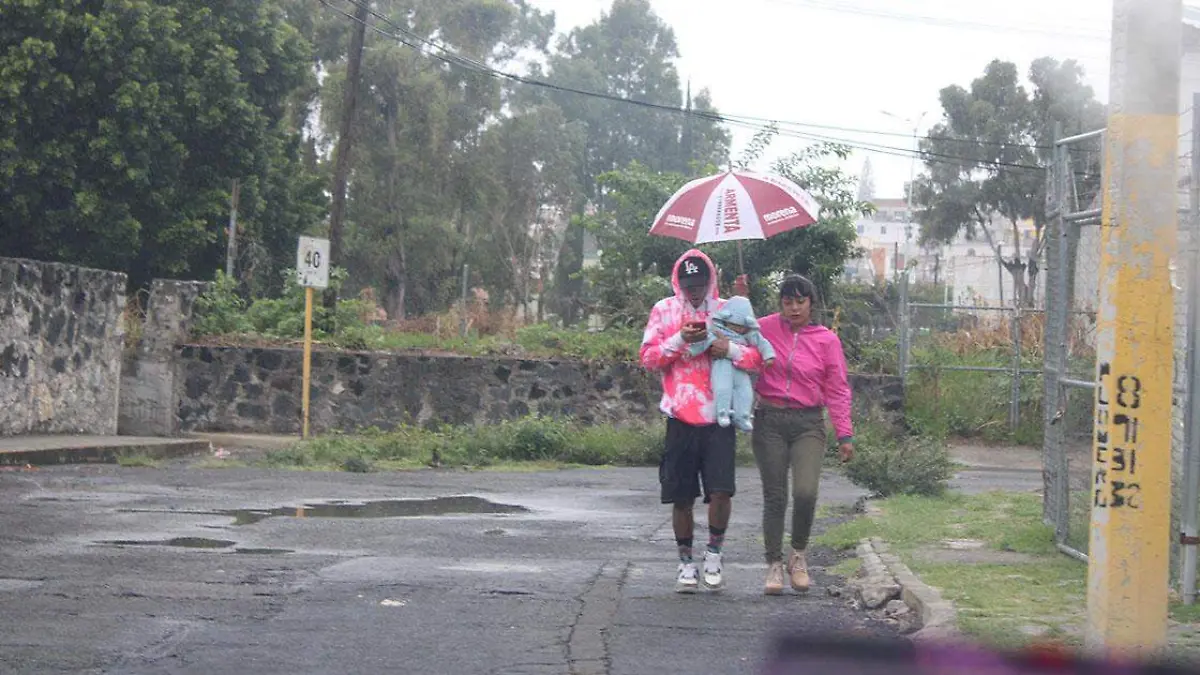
904, 329
1014, 405
1057, 474
1191, 453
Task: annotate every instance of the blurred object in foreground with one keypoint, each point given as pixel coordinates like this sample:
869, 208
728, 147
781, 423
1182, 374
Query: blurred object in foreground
803, 655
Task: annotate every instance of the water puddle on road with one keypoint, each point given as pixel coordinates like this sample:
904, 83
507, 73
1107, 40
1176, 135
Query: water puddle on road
178, 542
394, 508
194, 542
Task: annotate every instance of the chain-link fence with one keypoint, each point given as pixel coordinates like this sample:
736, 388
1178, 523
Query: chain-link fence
1072, 297
976, 367
1072, 300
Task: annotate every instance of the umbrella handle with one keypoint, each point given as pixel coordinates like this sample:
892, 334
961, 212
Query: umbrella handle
741, 262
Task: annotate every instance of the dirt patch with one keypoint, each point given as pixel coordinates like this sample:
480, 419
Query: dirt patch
972, 556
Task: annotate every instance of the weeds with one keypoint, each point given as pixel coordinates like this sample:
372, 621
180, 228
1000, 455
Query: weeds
538, 442
887, 463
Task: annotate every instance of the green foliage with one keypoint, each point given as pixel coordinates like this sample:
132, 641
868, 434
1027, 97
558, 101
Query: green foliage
888, 464
220, 310
629, 255
983, 164
629, 52
531, 439
223, 314
126, 122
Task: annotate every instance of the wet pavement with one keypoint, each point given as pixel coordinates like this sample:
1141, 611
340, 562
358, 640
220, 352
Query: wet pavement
182, 570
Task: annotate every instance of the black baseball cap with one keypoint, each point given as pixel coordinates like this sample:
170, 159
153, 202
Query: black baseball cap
693, 271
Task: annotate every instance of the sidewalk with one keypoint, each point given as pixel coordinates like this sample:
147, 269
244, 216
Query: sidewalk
63, 449
1011, 458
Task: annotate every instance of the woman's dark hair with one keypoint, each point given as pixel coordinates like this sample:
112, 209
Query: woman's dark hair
796, 286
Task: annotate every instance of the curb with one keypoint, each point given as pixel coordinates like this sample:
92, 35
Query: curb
102, 453
938, 617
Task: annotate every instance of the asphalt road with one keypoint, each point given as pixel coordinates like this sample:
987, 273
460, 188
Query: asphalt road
181, 570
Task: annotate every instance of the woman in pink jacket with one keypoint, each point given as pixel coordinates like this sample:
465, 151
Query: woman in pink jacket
807, 377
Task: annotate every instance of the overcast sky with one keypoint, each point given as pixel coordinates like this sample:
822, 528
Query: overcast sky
842, 62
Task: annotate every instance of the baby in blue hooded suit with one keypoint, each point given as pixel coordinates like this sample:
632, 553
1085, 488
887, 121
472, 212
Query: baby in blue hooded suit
732, 388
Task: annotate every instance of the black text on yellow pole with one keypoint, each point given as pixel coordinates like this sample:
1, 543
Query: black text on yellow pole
1130, 492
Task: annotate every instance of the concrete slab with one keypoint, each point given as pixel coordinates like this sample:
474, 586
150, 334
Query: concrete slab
266, 442
43, 450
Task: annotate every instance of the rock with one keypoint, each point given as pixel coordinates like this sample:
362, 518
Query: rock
835, 591
875, 596
896, 608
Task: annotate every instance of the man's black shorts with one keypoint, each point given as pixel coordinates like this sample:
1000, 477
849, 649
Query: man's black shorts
695, 453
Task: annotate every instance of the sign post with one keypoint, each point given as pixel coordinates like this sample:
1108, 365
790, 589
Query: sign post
312, 268
1129, 546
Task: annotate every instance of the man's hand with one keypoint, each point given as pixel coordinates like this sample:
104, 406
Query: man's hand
719, 348
846, 452
692, 334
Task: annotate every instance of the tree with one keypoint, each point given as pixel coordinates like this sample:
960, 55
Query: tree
630, 53
449, 171
632, 261
984, 161
125, 124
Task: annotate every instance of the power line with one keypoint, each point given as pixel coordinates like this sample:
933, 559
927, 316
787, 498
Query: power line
848, 8
450, 57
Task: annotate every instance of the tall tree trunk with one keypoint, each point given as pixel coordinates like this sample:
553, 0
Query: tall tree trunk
341, 169
395, 286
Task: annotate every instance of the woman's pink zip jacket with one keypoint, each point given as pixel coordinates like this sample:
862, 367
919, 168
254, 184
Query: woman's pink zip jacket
686, 381
809, 372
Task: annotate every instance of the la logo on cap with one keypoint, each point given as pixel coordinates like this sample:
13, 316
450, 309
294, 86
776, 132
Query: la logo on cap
690, 267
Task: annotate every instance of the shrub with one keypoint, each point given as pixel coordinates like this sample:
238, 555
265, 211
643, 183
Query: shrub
220, 310
530, 439
888, 465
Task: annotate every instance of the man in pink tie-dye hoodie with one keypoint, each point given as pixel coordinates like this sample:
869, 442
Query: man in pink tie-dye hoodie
696, 447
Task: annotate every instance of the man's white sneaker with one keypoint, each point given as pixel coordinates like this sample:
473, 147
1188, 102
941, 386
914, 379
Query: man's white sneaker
712, 570
688, 579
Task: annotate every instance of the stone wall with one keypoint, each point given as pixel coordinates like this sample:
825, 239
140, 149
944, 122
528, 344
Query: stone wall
258, 390
149, 398
61, 337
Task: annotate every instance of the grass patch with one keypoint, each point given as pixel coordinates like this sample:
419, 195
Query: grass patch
847, 568
137, 460
1185, 613
528, 444
1038, 596
1004, 521
1008, 605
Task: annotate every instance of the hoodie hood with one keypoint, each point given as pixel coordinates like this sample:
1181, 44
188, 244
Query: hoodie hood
738, 311
712, 274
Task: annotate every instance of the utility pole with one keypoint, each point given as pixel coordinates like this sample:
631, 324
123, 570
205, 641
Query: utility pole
1129, 548
231, 246
341, 166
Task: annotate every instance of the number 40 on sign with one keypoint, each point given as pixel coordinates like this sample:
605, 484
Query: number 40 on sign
312, 262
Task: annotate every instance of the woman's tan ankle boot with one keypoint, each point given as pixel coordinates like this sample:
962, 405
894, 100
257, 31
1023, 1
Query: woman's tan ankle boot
798, 569
774, 585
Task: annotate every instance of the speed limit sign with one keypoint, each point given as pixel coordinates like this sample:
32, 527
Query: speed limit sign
312, 262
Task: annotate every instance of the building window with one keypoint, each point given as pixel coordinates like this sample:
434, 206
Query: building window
862, 229
883, 229
970, 253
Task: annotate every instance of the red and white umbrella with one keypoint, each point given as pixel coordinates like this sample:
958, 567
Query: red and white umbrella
733, 206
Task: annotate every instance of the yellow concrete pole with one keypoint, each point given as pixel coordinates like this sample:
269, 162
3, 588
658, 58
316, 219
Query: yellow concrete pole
1129, 548
307, 377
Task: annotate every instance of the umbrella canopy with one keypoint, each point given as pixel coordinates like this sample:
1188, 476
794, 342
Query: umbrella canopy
733, 206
